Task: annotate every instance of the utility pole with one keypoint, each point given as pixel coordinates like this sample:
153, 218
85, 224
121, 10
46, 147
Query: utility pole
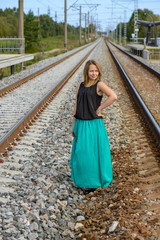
49, 11
85, 28
125, 28
80, 27
120, 32
74, 5
88, 26
65, 24
55, 16
135, 20
112, 19
97, 26
38, 14
116, 34
38, 24
91, 26
21, 27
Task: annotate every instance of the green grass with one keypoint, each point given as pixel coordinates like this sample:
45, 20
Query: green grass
56, 42
47, 44
41, 57
52, 43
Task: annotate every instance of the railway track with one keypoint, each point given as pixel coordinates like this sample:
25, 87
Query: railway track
39, 163
10, 87
135, 197
16, 115
144, 85
150, 69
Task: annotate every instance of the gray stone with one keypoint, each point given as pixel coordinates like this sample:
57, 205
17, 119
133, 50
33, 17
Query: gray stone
34, 226
32, 236
50, 224
113, 227
80, 218
78, 226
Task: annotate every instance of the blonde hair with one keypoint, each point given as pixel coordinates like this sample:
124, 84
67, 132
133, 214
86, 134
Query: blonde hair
86, 69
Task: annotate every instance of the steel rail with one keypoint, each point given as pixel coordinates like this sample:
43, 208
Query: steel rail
26, 121
12, 86
153, 71
147, 116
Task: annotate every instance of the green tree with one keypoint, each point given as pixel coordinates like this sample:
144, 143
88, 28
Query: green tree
9, 22
31, 30
47, 27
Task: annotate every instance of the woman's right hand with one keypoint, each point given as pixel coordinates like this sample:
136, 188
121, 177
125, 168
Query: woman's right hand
73, 135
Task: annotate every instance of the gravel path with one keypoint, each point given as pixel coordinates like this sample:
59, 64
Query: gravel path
155, 64
38, 198
146, 84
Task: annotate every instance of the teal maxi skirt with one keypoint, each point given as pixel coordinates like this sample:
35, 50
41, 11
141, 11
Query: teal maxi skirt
90, 162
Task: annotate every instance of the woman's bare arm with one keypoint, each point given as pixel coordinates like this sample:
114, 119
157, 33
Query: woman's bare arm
103, 88
74, 112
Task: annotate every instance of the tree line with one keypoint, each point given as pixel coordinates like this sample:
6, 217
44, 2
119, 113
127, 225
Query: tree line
36, 28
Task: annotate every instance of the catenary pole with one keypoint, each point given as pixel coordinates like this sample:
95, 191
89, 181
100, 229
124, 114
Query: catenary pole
116, 34
85, 28
120, 32
80, 26
38, 24
135, 21
88, 26
65, 24
21, 27
91, 25
125, 28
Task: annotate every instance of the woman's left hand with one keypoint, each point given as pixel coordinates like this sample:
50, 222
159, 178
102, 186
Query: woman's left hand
99, 114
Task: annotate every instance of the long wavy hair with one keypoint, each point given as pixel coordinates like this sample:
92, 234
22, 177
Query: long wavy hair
86, 69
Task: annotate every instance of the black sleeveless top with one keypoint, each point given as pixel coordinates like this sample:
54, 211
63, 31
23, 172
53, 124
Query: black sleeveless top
87, 102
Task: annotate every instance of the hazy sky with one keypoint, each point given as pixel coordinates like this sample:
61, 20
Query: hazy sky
107, 13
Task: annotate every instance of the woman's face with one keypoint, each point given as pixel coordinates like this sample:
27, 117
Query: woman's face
93, 72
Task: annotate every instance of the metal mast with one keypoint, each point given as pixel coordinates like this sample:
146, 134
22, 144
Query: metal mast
21, 27
120, 32
85, 28
125, 28
92, 6
88, 26
65, 24
80, 26
55, 16
116, 34
135, 20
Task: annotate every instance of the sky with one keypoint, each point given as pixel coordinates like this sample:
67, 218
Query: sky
106, 14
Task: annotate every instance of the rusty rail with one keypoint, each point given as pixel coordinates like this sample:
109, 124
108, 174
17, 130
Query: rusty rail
153, 71
147, 116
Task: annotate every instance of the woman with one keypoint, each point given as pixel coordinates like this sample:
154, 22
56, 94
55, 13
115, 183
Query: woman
90, 162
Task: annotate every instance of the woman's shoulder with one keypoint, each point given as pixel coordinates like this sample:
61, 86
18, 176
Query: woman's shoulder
101, 86
79, 85
100, 83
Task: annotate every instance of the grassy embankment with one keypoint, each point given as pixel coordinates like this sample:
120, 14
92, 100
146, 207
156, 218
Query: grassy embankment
44, 46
